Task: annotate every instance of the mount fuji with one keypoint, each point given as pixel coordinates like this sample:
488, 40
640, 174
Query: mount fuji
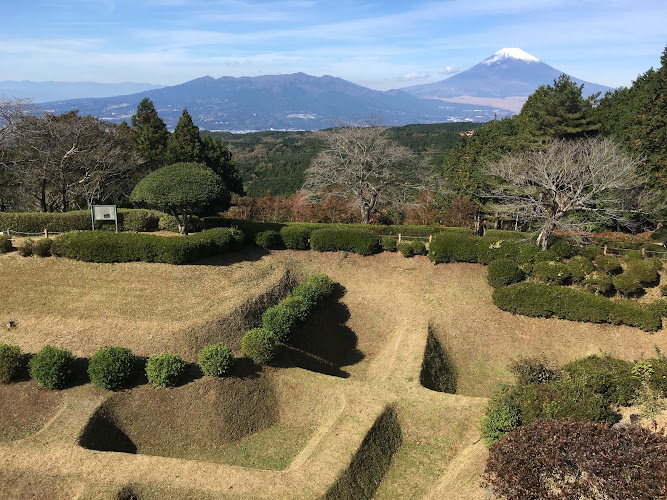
505, 79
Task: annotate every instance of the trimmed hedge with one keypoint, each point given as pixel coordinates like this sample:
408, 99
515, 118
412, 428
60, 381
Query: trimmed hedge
418, 248
165, 370
269, 240
26, 249
259, 345
324, 283
608, 264
280, 320
388, 243
295, 237
611, 377
11, 362
645, 271
104, 246
503, 272
579, 267
110, 367
627, 285
590, 251
215, 360
129, 219
42, 247
5, 243
599, 283
405, 249
546, 301
453, 248
361, 241
51, 367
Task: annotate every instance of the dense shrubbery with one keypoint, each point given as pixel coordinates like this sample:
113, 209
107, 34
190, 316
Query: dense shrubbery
309, 292
26, 249
102, 246
608, 264
610, 377
599, 283
562, 248
296, 237
269, 240
554, 273
42, 247
323, 282
405, 249
110, 367
545, 301
418, 247
503, 272
579, 268
259, 345
280, 320
502, 416
578, 460
590, 251
533, 371
388, 243
631, 255
165, 370
11, 361
168, 223
627, 285
361, 241
454, 248
51, 367
5, 243
644, 271
215, 360
139, 220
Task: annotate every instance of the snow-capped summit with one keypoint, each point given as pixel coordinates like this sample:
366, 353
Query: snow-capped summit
505, 79
510, 53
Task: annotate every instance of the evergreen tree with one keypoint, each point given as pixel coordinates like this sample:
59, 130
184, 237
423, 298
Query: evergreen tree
150, 135
558, 111
218, 158
184, 145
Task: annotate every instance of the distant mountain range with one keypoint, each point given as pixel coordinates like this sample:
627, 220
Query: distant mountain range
279, 102
505, 79
496, 87
57, 91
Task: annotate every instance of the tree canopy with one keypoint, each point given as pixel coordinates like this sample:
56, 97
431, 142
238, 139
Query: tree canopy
184, 145
150, 135
183, 190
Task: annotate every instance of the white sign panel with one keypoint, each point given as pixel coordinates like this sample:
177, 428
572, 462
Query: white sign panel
104, 212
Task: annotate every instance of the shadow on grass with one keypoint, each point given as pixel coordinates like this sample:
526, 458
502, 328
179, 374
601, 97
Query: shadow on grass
247, 253
323, 343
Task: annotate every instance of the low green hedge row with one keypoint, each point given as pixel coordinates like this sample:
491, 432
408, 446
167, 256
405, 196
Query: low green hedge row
281, 319
361, 241
139, 220
546, 301
103, 246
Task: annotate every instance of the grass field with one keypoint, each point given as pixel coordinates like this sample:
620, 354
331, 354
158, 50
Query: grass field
285, 431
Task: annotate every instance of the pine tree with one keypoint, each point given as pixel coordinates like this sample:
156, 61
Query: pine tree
150, 135
218, 158
184, 144
558, 111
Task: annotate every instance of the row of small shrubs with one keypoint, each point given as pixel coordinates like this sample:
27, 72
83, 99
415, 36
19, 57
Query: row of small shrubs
40, 247
138, 220
102, 246
545, 301
279, 321
5, 243
585, 390
109, 368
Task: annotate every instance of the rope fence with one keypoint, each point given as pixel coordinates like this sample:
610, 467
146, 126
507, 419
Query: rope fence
46, 233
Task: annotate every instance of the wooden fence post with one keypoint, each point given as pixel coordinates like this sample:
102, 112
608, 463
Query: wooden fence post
399, 237
46, 233
604, 250
644, 251
430, 238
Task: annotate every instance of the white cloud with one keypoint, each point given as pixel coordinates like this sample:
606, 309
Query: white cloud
415, 76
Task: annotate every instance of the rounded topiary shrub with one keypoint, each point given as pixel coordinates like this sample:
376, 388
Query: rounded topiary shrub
323, 282
405, 248
259, 345
5, 243
644, 271
418, 248
608, 264
140, 221
42, 247
215, 360
503, 272
269, 240
26, 248
631, 255
555, 273
297, 305
165, 370
11, 361
310, 293
51, 367
599, 283
579, 268
111, 367
562, 248
589, 251
295, 237
627, 285
388, 243
280, 320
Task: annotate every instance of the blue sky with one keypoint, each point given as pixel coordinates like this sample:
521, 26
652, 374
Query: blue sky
379, 44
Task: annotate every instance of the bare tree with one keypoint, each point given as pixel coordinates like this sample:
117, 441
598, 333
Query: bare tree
568, 185
67, 160
11, 113
362, 165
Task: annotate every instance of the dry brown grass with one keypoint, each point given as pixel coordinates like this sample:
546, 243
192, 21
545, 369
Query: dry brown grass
319, 420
